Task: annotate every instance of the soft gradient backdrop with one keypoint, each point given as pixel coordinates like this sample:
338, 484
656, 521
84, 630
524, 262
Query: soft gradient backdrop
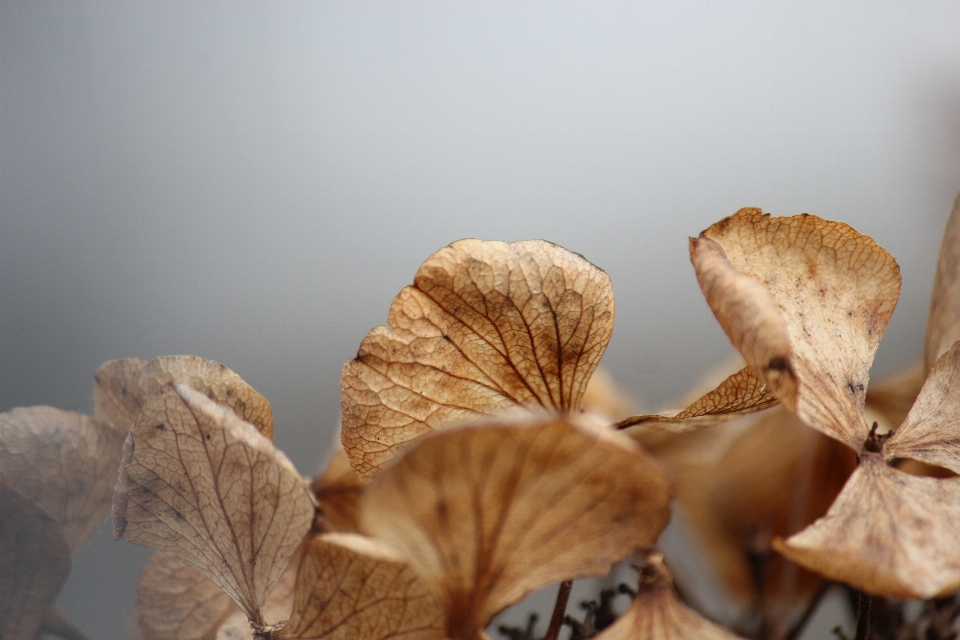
254, 181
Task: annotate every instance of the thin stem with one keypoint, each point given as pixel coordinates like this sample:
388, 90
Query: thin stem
801, 623
559, 609
863, 616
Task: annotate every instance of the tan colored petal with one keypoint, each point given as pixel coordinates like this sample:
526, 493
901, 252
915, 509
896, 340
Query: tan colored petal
122, 386
931, 431
943, 322
892, 396
658, 614
349, 586
485, 327
488, 513
65, 462
888, 533
176, 602
200, 482
34, 564
739, 394
338, 492
806, 302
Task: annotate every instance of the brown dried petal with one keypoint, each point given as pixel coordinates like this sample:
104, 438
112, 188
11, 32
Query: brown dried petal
739, 394
338, 492
65, 462
658, 614
888, 533
487, 513
34, 564
931, 431
200, 482
349, 586
485, 327
122, 386
943, 322
806, 302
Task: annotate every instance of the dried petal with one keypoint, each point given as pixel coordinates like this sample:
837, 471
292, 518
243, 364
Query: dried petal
200, 482
485, 327
176, 602
806, 302
349, 586
122, 386
487, 513
943, 321
65, 462
658, 614
888, 533
739, 394
338, 492
931, 431
34, 564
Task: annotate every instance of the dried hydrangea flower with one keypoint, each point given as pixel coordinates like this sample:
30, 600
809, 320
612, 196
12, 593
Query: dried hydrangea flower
806, 302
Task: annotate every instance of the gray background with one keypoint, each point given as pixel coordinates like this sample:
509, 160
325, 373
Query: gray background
253, 182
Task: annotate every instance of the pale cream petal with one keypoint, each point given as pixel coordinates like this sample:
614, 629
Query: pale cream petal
200, 482
177, 602
34, 564
65, 462
122, 386
486, 327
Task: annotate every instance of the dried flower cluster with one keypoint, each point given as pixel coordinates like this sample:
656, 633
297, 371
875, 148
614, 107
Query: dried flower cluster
477, 468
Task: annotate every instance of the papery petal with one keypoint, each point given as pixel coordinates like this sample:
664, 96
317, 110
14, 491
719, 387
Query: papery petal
198, 481
888, 533
488, 513
486, 327
806, 302
349, 586
931, 431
